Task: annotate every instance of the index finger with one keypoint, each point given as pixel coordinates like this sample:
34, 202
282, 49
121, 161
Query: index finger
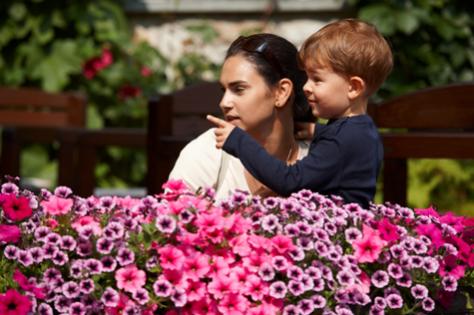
216, 121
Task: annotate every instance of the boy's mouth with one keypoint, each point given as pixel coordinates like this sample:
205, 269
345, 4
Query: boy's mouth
312, 103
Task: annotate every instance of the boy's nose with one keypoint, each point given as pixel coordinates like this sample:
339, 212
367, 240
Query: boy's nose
307, 89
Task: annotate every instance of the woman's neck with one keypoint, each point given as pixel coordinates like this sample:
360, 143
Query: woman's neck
279, 141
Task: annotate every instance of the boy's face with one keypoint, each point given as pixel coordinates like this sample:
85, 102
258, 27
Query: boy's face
327, 92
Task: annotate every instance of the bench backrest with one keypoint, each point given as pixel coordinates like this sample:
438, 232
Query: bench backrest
174, 120
28, 107
31, 115
436, 122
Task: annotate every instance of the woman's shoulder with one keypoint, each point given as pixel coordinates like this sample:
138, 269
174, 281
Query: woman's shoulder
202, 148
205, 137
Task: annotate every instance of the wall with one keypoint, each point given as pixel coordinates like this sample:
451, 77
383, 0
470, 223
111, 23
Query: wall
209, 26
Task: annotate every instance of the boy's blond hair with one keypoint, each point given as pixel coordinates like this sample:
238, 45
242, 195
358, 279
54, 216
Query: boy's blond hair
350, 47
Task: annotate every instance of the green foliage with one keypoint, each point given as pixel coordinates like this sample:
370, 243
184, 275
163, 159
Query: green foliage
85, 46
433, 44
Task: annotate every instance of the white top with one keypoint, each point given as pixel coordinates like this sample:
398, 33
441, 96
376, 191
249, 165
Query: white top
200, 162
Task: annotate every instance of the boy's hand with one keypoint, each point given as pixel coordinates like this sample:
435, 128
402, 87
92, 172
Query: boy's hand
304, 130
222, 131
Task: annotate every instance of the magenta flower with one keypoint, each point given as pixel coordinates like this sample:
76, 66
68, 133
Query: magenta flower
196, 267
171, 257
450, 267
432, 232
222, 285
57, 205
256, 288
13, 303
282, 244
130, 278
233, 304
388, 231
16, 208
9, 233
27, 285
369, 247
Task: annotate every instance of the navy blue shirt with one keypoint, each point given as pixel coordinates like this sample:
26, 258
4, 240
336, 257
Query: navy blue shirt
344, 159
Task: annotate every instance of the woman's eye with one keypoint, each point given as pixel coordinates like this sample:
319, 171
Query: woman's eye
238, 89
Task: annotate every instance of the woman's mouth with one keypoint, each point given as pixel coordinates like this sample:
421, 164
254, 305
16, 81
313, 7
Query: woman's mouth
231, 118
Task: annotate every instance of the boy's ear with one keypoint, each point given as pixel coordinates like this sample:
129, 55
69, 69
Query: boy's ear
283, 92
356, 87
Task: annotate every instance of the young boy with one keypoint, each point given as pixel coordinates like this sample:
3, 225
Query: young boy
346, 62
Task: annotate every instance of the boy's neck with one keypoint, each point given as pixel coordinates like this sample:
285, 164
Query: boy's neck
356, 108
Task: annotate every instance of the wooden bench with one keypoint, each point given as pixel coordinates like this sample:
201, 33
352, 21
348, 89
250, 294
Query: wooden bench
173, 121
90, 141
31, 115
435, 122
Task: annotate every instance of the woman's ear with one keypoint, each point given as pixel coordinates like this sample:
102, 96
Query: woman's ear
283, 92
356, 87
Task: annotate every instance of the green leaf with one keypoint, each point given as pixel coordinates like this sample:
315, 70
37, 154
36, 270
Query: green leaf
381, 15
44, 32
445, 29
407, 21
54, 70
7, 32
58, 20
94, 120
17, 11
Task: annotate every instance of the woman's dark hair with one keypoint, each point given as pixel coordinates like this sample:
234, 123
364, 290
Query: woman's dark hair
275, 58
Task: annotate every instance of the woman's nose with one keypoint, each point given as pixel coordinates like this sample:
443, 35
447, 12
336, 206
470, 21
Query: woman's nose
226, 102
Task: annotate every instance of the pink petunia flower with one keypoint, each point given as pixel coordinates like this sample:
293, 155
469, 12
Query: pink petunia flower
388, 231
13, 303
57, 205
130, 278
9, 233
171, 258
16, 208
282, 244
196, 267
89, 222
450, 267
27, 286
195, 291
233, 304
428, 212
221, 286
432, 232
453, 220
256, 288
369, 247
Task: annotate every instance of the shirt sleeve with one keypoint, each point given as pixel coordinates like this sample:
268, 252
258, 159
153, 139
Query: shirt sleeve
199, 162
318, 171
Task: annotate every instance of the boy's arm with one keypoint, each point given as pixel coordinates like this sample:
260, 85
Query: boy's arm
318, 171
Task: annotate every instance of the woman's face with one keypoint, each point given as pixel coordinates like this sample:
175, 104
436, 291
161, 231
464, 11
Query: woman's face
248, 102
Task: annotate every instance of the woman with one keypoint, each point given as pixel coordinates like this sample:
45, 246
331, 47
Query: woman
263, 95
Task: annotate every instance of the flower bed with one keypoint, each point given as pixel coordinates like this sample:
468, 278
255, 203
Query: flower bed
184, 253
